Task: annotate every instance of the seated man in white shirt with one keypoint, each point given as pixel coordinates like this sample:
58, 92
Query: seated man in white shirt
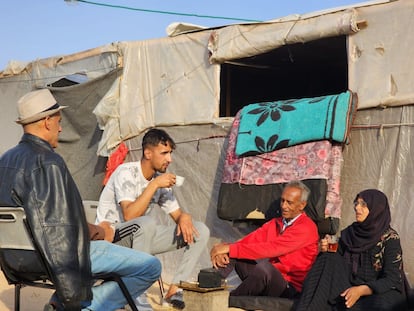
125, 202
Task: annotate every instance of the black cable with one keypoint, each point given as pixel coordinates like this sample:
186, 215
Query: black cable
163, 12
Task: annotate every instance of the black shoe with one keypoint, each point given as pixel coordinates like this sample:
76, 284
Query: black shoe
176, 301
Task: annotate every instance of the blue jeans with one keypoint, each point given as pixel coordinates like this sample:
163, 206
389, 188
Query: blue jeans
138, 270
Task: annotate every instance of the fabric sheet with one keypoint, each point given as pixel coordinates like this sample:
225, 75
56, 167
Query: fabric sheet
314, 160
115, 159
269, 126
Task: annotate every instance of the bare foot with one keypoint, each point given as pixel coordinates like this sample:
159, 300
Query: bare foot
174, 297
171, 291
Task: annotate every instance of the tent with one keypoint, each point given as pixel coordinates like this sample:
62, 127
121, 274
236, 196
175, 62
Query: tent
194, 82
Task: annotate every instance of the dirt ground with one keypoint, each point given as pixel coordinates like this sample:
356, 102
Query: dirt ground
34, 299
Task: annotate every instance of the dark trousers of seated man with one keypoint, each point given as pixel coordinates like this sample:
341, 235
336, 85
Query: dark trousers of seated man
259, 278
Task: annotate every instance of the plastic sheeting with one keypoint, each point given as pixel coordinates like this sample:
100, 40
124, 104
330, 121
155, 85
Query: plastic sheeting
91, 62
380, 156
240, 41
170, 81
16, 81
165, 82
379, 56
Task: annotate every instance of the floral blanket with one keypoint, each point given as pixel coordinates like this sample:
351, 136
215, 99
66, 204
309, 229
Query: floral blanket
269, 126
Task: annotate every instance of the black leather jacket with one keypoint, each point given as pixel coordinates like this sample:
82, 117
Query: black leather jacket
32, 175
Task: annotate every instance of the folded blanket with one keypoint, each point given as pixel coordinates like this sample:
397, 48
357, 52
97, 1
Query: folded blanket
269, 126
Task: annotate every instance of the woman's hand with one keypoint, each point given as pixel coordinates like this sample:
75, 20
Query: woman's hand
353, 294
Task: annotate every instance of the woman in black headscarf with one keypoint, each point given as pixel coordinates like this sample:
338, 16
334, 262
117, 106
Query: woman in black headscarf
366, 272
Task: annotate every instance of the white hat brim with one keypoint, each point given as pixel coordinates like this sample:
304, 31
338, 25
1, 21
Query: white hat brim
39, 116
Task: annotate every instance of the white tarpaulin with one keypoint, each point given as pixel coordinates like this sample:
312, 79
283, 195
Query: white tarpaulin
380, 56
239, 41
165, 82
20, 78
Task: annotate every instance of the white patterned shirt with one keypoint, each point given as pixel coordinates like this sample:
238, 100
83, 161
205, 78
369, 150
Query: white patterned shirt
126, 184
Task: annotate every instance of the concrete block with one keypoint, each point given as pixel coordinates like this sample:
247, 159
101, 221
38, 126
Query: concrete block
209, 301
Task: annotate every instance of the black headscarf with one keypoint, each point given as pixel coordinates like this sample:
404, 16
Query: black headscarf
360, 237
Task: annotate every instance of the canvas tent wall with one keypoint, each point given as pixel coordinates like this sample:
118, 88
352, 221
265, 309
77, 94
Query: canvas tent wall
177, 83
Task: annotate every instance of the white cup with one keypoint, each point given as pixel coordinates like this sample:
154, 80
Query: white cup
179, 180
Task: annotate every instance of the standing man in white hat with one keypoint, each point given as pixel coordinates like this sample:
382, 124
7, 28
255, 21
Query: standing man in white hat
33, 176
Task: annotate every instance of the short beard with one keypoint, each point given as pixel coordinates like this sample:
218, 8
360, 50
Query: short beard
162, 170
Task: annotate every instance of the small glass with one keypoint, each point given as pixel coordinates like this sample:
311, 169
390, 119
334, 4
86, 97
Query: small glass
332, 243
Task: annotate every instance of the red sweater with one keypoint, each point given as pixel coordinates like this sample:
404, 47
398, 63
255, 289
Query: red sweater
292, 252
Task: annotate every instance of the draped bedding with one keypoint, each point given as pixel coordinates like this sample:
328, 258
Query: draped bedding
251, 184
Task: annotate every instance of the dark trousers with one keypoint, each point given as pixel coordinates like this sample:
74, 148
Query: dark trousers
259, 278
329, 277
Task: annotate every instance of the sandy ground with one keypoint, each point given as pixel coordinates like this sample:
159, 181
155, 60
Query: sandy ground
31, 299
34, 299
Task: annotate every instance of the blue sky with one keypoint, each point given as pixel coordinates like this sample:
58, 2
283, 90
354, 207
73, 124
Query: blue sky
32, 29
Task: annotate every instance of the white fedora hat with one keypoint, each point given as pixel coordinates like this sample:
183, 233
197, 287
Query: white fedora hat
36, 105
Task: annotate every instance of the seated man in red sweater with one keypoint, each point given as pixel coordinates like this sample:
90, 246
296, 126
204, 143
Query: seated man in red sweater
274, 259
